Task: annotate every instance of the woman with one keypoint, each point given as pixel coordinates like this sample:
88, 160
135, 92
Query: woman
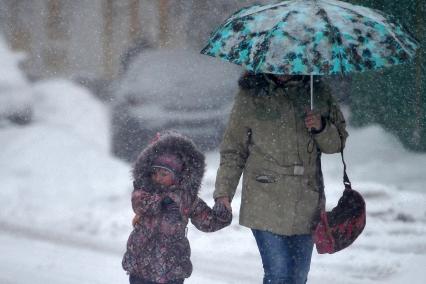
276, 141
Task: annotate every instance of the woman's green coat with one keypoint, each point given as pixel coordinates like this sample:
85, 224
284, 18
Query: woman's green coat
267, 141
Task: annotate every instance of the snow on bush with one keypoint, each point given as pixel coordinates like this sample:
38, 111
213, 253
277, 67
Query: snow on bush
15, 92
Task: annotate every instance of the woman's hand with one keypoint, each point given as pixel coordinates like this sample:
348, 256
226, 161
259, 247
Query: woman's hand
225, 201
313, 120
222, 212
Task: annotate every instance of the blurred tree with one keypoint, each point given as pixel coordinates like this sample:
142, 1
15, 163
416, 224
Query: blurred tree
396, 97
135, 31
107, 37
20, 35
163, 11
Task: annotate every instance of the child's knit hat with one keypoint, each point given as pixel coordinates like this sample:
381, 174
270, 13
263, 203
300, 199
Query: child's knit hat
169, 162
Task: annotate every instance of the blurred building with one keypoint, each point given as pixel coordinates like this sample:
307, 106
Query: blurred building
79, 38
93, 39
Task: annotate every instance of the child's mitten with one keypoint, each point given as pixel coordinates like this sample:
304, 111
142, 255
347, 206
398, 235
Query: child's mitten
171, 209
222, 212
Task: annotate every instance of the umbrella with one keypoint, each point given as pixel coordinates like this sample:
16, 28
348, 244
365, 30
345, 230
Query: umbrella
311, 37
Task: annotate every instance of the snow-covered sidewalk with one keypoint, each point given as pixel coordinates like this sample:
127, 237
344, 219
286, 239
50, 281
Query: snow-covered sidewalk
26, 260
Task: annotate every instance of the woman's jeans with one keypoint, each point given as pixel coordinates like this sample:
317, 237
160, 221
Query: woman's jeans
286, 259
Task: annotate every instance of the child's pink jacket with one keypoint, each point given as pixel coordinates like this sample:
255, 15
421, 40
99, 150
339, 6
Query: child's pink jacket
158, 249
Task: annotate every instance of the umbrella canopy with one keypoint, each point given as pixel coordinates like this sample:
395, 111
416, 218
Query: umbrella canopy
311, 37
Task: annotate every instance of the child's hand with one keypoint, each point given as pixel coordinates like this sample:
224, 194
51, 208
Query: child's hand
171, 209
168, 204
222, 212
145, 203
174, 196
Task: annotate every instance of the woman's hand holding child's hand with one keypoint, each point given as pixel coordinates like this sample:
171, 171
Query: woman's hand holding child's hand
222, 212
225, 201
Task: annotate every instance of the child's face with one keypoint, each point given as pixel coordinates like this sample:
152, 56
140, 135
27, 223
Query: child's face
163, 177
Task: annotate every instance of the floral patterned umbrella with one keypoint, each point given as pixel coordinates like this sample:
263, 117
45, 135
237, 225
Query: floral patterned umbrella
317, 37
311, 37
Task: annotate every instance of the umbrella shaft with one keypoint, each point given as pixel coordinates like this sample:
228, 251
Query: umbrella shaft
312, 92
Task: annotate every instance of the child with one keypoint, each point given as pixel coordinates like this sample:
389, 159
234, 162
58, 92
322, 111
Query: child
167, 177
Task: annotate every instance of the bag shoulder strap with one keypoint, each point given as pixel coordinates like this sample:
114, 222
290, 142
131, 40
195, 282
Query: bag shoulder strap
346, 181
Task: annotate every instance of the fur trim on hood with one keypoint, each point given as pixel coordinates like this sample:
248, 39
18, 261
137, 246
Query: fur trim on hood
251, 80
172, 143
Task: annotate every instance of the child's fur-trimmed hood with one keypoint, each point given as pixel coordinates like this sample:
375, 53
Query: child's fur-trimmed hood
172, 143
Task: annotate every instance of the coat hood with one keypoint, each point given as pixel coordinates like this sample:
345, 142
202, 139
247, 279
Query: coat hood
251, 80
171, 143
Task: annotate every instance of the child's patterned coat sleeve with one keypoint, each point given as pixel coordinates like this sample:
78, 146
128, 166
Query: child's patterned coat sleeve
208, 220
145, 203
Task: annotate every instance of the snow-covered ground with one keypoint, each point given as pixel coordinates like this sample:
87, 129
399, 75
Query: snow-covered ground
65, 204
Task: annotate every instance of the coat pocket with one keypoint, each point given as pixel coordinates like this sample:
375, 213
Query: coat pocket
265, 178
262, 181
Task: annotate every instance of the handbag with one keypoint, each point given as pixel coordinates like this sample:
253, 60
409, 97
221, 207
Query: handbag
337, 229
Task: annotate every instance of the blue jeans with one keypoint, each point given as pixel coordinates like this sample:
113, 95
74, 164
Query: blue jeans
286, 259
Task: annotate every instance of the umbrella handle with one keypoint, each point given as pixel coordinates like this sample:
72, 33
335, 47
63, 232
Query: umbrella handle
312, 92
